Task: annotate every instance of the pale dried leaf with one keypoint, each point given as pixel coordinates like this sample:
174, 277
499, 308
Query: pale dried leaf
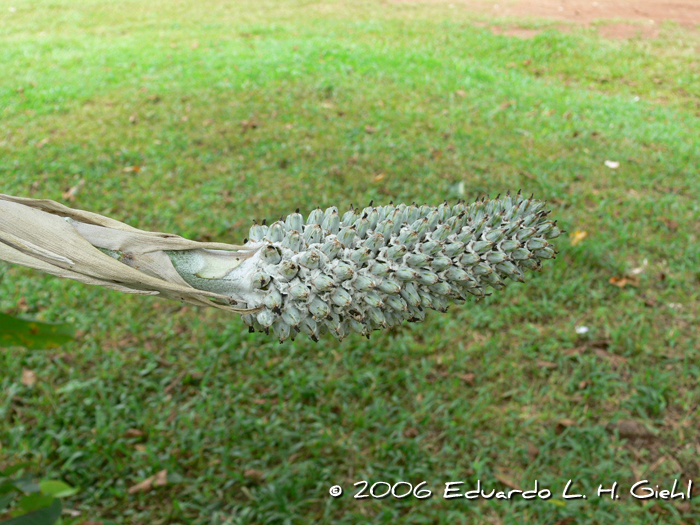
134, 432
28, 377
629, 428
506, 479
670, 224
621, 282
467, 378
254, 475
577, 236
532, 451
614, 359
411, 432
158, 480
70, 194
639, 269
161, 479
563, 424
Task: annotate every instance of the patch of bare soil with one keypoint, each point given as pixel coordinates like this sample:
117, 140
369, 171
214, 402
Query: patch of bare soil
644, 16
519, 32
623, 31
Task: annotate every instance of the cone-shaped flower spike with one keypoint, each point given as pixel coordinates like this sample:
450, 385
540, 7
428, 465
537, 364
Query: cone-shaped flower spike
358, 271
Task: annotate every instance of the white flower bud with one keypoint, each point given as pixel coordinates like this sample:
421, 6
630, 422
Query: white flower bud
295, 222
332, 247
341, 298
389, 286
315, 217
299, 291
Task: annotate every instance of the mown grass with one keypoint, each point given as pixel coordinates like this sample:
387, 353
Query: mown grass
196, 117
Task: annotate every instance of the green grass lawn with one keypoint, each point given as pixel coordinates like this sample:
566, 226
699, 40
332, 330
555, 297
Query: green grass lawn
198, 117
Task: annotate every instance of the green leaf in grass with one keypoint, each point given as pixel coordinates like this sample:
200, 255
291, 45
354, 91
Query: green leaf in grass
35, 335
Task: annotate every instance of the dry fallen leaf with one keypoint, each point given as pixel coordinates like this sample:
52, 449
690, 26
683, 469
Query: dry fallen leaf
175, 382
461, 93
532, 451
28, 377
546, 364
22, 304
577, 236
249, 124
574, 351
649, 302
614, 359
506, 480
621, 282
565, 521
670, 224
172, 416
134, 432
595, 345
379, 177
160, 479
467, 378
563, 424
69, 194
656, 464
410, 432
253, 475
629, 428
370, 129
640, 269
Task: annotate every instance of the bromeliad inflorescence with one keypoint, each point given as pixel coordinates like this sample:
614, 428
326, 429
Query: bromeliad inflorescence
364, 270
375, 267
